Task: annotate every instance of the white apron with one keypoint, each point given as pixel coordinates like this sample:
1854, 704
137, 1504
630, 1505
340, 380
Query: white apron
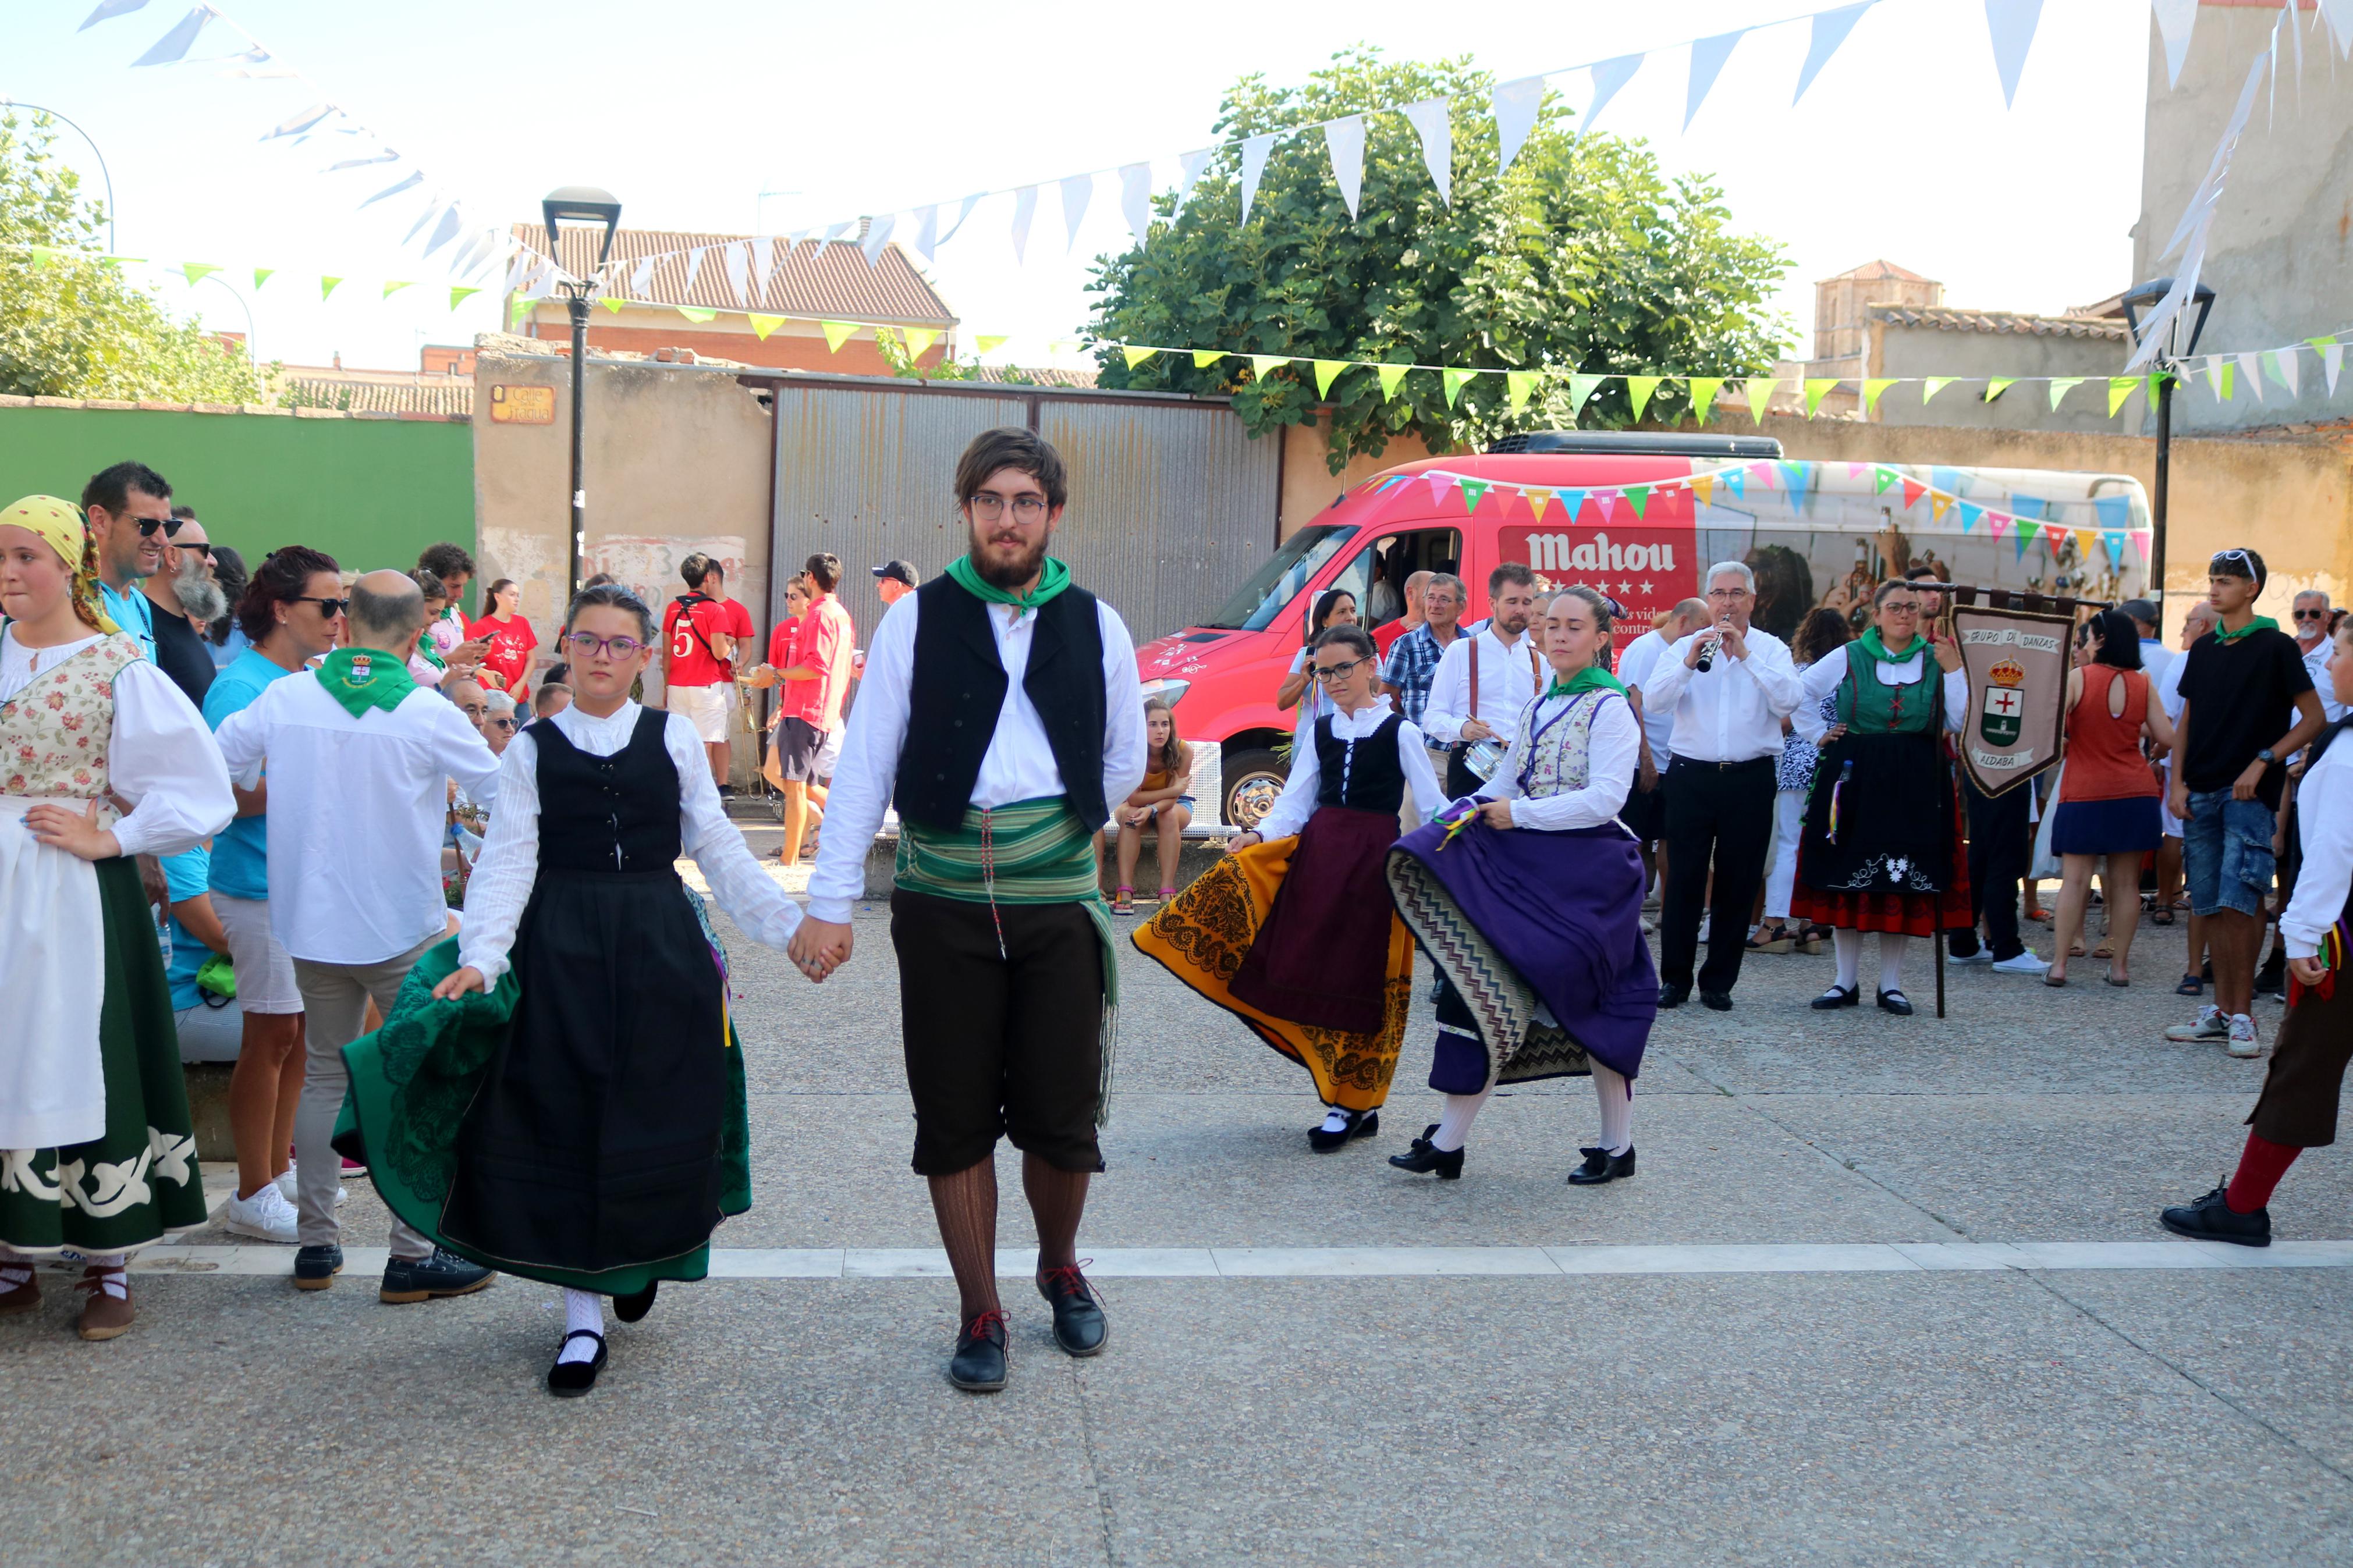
52, 956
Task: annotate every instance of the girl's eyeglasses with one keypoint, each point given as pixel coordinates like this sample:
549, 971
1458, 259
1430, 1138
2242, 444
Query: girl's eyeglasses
1337, 671
584, 644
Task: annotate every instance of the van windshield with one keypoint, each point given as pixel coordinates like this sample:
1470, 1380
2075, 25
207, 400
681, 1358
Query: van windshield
1273, 585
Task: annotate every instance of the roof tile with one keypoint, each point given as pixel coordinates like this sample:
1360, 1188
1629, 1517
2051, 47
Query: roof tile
811, 279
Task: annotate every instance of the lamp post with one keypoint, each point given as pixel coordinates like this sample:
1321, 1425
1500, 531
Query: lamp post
104, 173
580, 204
2136, 300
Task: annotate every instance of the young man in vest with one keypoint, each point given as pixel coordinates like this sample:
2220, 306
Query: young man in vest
1000, 713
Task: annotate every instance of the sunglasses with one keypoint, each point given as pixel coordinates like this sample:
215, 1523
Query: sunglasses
329, 608
584, 644
503, 723
148, 525
2312, 615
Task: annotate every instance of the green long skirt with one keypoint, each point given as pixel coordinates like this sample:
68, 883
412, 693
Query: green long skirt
137, 1182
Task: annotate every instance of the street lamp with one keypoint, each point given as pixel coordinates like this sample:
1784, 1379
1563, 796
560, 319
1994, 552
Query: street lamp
2136, 301
580, 204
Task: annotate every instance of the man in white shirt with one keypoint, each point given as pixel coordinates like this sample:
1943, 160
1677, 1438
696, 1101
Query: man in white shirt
2154, 655
1727, 744
1645, 813
360, 762
1483, 682
2310, 629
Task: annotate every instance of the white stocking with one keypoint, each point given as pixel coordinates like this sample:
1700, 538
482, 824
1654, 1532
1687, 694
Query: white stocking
1891, 960
1454, 1120
1337, 1120
1617, 1098
1848, 945
582, 1309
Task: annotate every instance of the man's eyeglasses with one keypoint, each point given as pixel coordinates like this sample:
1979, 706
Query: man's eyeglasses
503, 723
1728, 593
170, 525
329, 608
1336, 671
585, 644
988, 507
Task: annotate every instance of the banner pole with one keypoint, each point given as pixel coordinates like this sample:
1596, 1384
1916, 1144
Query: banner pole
1940, 974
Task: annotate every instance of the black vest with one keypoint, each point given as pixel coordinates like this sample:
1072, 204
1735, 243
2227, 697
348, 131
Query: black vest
958, 690
1373, 779
607, 813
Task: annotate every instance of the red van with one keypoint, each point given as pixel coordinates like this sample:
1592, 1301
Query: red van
1643, 515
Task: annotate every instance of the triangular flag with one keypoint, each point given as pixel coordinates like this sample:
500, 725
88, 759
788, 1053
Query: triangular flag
264, 274
460, 296
1935, 384
106, 10
1704, 389
2253, 367
1537, 499
1571, 503
739, 273
988, 342
1454, 380
2332, 359
2175, 19
1998, 384
1831, 29
327, 286
393, 189
1519, 385
1608, 78
1886, 477
2115, 511
878, 235
698, 312
2010, 25
1254, 153
927, 239
1817, 388
174, 45
1797, 478
1346, 139
1639, 389
197, 271
1938, 501
1188, 173
763, 325
1704, 487
694, 267
1439, 485
764, 262
610, 303
1135, 200
1430, 120
1637, 497
1707, 57
643, 278
1204, 358
1516, 106
1735, 480
1761, 389
1606, 504
1025, 209
1581, 389
1135, 356
2281, 362
1971, 512
394, 286
1262, 364
2061, 385
1872, 388
1392, 377
1326, 371
1473, 492
1912, 490
837, 334
2119, 388
918, 339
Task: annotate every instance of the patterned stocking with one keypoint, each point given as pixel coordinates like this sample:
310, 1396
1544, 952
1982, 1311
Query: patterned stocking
965, 1205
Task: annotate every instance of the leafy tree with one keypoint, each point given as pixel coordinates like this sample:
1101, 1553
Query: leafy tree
1582, 257
71, 327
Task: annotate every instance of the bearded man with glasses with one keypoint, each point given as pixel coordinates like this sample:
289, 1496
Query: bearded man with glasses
1001, 714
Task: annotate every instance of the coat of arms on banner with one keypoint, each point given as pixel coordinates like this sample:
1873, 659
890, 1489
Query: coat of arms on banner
2017, 666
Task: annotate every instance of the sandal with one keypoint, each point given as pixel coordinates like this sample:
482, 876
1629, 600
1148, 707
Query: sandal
2163, 917
1122, 901
1775, 938
1810, 941
2190, 986
1168, 895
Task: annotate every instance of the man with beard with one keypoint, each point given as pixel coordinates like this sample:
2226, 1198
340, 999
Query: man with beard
129, 510
1001, 712
1485, 681
185, 599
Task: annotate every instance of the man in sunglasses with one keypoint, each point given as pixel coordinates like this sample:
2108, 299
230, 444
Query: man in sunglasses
182, 598
130, 523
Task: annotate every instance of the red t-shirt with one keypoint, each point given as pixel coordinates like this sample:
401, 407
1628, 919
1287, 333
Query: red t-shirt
739, 625
512, 643
691, 661
782, 642
825, 637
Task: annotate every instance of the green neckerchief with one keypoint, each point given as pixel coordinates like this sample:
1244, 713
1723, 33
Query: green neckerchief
1050, 581
1876, 646
427, 652
1592, 678
2261, 623
364, 678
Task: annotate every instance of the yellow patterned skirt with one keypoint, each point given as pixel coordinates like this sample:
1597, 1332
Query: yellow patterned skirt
1202, 935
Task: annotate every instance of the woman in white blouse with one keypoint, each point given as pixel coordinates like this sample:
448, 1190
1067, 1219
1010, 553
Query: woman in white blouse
1529, 899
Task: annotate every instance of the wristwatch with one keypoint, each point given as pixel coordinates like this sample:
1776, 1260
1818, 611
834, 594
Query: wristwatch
2266, 756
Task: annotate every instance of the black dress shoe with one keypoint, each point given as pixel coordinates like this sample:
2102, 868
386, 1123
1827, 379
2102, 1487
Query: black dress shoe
978, 1364
1838, 996
1674, 995
630, 1308
1896, 1001
1361, 1124
571, 1379
442, 1273
1716, 1001
1080, 1326
1600, 1165
2211, 1218
315, 1267
1424, 1157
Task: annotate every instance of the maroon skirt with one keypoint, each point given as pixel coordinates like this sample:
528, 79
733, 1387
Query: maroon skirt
1321, 958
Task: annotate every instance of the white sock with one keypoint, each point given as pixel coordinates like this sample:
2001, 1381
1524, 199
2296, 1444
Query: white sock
1336, 1120
582, 1309
1454, 1120
110, 1279
1848, 945
1891, 960
1617, 1098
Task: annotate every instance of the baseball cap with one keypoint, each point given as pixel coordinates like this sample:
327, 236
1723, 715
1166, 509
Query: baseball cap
2141, 610
898, 572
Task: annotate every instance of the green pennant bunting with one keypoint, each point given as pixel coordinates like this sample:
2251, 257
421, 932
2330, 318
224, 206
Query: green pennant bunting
1935, 384
1454, 380
698, 312
2321, 345
2119, 388
1817, 388
1581, 389
1637, 497
761, 325
1761, 389
2061, 385
1392, 377
1887, 476
613, 302
2226, 387
1519, 385
1872, 389
41, 255
459, 296
1262, 364
2270, 360
1204, 358
837, 334
1134, 356
1639, 389
394, 286
1704, 389
918, 339
197, 271
327, 286
262, 274
1327, 371
516, 312
1997, 385
1473, 492
989, 342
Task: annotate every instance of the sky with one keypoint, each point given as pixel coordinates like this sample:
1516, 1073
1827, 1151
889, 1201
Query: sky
737, 115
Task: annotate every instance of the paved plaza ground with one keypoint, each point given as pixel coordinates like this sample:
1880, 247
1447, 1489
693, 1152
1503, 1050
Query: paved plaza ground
1884, 1291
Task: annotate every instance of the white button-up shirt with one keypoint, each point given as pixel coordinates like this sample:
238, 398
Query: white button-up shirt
1640, 662
1018, 764
1298, 803
1822, 678
1733, 712
1508, 680
2325, 831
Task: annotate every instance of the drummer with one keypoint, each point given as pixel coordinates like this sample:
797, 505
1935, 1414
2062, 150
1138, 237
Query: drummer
1485, 682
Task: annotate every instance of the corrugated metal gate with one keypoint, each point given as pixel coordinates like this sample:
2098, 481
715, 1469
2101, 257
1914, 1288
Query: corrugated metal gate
1172, 504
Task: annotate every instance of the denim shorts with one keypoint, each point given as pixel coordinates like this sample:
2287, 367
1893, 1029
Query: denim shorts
2226, 853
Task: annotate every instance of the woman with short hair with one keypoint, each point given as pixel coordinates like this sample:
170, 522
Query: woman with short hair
2108, 807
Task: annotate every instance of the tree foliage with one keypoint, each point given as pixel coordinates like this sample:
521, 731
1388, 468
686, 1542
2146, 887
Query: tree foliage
75, 328
1582, 257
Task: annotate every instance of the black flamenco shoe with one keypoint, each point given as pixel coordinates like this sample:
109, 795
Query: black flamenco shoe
1600, 1165
1896, 1001
1361, 1124
1838, 996
1426, 1157
630, 1308
571, 1379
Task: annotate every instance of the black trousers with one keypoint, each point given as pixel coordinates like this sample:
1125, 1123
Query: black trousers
2001, 847
1723, 814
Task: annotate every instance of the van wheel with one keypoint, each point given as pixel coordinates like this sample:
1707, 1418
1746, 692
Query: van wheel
1253, 780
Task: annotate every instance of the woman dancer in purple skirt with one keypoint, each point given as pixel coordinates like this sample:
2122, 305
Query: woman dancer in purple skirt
1528, 897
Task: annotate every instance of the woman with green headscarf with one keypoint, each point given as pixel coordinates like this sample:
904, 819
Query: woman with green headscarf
102, 759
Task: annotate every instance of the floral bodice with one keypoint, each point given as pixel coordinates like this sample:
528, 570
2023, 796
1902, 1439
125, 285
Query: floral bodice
54, 733
1561, 759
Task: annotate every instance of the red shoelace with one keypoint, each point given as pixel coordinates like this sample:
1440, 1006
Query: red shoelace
980, 1325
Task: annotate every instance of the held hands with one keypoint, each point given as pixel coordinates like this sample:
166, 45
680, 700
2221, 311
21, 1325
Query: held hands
2309, 971
75, 832
818, 948
458, 981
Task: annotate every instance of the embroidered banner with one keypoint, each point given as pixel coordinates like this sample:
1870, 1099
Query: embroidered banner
2017, 666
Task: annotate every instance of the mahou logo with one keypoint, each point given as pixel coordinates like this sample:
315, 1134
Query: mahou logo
1645, 569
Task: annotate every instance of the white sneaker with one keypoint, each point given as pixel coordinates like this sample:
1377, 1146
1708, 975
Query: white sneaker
1650, 926
266, 1216
2210, 1025
286, 1184
2025, 962
2243, 1041
1982, 955
1705, 922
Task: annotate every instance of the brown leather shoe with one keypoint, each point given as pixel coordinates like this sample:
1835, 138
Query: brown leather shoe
105, 1314
23, 1297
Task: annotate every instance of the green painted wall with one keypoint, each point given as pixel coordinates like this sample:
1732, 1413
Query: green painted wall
369, 492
